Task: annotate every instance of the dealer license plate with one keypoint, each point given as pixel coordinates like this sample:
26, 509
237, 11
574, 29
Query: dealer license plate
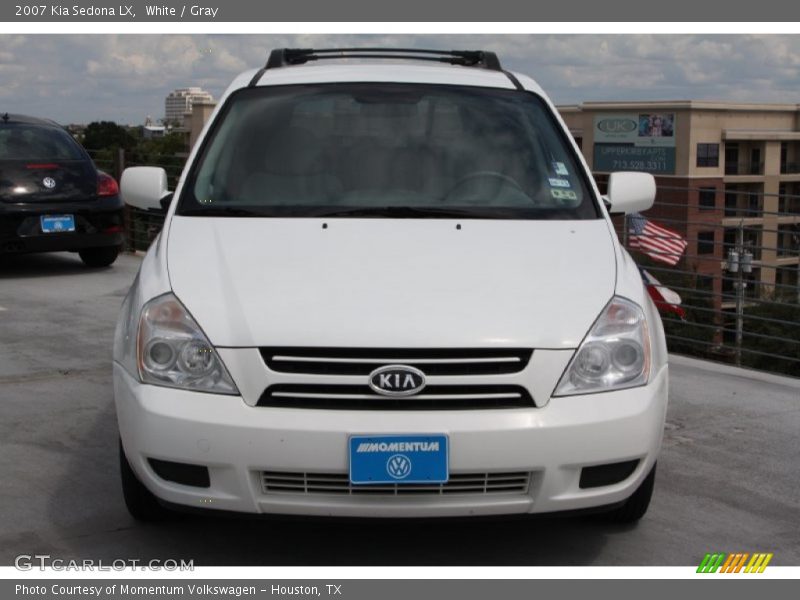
57, 223
402, 459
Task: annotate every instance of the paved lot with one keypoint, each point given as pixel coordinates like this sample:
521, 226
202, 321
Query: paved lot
729, 476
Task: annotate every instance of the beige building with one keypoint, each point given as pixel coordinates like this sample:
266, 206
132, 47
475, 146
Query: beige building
196, 119
720, 167
180, 101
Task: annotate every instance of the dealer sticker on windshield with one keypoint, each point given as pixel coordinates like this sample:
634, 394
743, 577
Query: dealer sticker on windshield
564, 194
557, 182
399, 459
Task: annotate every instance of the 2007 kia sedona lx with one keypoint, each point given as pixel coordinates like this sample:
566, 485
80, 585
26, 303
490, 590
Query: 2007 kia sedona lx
387, 286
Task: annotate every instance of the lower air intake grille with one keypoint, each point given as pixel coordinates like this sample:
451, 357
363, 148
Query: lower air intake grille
274, 482
361, 397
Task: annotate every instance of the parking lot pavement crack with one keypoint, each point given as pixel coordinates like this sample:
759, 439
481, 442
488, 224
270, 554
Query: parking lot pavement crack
54, 374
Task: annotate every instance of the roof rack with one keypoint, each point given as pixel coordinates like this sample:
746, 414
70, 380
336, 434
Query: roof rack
284, 57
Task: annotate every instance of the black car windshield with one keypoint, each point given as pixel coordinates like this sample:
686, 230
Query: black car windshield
20, 141
391, 150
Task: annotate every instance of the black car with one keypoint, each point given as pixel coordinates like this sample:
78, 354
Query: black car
52, 197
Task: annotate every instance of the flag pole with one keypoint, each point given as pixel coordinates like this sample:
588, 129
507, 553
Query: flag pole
625, 231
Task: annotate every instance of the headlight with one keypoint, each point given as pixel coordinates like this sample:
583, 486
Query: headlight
614, 355
172, 350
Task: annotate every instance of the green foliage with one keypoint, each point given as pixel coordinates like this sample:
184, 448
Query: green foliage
695, 334
788, 330
107, 135
104, 140
157, 148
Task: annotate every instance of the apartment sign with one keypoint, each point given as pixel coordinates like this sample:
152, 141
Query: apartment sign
635, 142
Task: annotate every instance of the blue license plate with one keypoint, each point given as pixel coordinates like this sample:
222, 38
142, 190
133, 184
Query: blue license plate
57, 223
398, 459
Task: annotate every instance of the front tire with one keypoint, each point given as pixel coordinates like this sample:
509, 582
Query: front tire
99, 257
636, 506
141, 503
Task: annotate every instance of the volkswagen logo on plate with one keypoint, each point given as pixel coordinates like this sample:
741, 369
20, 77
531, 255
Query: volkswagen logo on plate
49, 183
398, 466
397, 380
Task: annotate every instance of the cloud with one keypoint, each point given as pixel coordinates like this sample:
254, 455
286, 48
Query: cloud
74, 78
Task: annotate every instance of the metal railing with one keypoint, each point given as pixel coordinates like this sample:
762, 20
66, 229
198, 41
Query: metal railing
790, 168
748, 316
739, 280
141, 227
744, 168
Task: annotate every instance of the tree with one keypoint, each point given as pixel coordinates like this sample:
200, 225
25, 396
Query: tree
107, 135
159, 147
773, 321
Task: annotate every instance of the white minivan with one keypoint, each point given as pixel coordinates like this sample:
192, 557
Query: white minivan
388, 286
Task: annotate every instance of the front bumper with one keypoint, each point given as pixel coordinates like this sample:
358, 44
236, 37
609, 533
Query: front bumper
238, 442
98, 223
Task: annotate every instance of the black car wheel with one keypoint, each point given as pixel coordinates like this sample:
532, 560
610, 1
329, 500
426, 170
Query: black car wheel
99, 257
635, 507
141, 503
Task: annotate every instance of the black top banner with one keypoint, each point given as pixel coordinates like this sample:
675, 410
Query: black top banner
406, 11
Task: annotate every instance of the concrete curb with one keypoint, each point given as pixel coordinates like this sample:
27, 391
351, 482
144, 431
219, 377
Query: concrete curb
707, 365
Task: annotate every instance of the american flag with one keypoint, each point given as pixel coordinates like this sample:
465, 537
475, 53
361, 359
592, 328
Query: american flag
654, 240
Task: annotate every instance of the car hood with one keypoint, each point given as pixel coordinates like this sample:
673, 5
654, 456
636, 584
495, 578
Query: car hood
392, 282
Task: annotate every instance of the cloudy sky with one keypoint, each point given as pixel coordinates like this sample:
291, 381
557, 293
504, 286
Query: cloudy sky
81, 78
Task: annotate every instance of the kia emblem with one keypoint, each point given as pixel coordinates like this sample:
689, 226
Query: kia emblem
397, 380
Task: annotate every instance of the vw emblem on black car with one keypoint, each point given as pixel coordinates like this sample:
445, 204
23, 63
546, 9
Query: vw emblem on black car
397, 380
49, 183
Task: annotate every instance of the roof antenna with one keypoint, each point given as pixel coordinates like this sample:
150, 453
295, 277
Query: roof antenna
5, 118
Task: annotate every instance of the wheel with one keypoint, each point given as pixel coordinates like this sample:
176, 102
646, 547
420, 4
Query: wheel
99, 257
141, 503
636, 506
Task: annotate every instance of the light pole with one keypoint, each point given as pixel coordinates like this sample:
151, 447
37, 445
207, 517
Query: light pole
740, 261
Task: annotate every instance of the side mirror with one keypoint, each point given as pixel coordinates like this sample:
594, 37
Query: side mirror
145, 187
630, 192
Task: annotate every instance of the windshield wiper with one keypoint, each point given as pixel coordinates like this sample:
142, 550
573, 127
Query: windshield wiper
415, 212
222, 211
392, 212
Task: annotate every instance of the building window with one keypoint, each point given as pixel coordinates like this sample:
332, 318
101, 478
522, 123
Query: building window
705, 283
782, 197
731, 203
784, 157
787, 276
707, 155
705, 242
707, 198
788, 240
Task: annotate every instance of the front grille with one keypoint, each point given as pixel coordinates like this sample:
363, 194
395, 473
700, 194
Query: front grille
361, 397
362, 361
274, 482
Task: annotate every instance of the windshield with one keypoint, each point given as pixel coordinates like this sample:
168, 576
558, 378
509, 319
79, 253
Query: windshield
393, 150
29, 142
